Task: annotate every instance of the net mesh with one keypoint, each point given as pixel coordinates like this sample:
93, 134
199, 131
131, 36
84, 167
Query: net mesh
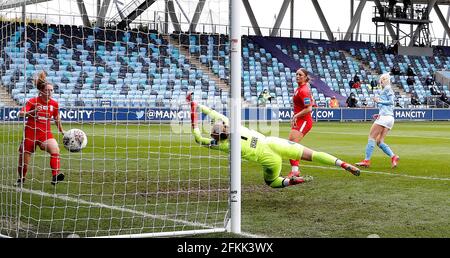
125, 87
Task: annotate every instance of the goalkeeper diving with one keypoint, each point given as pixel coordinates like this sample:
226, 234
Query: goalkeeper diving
269, 152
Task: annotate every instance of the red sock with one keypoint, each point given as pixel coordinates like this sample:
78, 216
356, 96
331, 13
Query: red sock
294, 162
194, 115
55, 163
23, 168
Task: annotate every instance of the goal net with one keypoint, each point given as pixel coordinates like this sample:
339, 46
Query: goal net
122, 78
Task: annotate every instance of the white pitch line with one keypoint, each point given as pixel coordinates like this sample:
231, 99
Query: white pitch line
250, 235
385, 173
245, 234
102, 205
390, 135
96, 204
335, 168
175, 135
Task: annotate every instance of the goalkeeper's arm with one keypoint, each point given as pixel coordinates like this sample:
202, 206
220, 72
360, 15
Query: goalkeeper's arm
213, 114
194, 122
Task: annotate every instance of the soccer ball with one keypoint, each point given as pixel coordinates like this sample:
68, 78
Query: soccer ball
74, 140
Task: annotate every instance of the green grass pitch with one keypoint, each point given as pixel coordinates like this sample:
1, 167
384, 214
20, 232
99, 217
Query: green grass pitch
152, 178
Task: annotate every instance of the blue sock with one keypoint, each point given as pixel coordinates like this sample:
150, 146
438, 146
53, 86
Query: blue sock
386, 149
369, 148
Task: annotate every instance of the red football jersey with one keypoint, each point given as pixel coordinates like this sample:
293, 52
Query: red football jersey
302, 98
43, 118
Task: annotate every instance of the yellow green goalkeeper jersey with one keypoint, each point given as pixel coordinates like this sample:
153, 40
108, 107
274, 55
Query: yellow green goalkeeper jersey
250, 149
268, 151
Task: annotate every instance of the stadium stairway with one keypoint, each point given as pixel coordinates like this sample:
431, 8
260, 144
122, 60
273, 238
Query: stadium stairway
5, 98
321, 86
194, 61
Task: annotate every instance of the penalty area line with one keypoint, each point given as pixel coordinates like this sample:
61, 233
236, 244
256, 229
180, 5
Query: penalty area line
102, 205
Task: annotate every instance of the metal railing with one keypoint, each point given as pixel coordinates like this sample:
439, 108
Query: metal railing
337, 35
156, 23
126, 10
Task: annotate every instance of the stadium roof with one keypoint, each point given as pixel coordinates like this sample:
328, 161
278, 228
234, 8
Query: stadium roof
6, 4
263, 19
440, 2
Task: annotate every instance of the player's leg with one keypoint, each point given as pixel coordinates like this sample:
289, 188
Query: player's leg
272, 164
280, 182
51, 146
375, 131
24, 160
383, 146
327, 159
296, 135
386, 149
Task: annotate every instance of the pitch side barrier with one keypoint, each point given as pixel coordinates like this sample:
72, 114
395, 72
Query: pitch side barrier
248, 114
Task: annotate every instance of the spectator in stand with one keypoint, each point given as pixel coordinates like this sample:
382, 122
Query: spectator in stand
264, 97
356, 85
334, 103
434, 91
410, 71
356, 82
373, 84
395, 48
395, 70
392, 3
429, 81
444, 98
364, 103
410, 81
351, 100
406, 5
414, 101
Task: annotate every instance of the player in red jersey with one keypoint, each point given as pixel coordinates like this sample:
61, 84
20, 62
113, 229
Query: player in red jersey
39, 111
301, 121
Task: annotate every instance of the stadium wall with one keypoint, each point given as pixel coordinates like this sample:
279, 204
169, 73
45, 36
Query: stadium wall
9, 114
415, 51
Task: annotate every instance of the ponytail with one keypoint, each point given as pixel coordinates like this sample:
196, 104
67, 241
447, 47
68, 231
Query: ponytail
41, 81
306, 73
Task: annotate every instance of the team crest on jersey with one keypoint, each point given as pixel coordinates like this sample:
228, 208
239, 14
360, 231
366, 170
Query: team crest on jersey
45, 108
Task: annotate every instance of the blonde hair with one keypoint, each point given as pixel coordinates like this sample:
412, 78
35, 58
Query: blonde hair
385, 79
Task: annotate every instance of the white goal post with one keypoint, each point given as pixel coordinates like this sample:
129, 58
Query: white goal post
120, 72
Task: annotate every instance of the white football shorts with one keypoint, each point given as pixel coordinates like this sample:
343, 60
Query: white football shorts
385, 121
